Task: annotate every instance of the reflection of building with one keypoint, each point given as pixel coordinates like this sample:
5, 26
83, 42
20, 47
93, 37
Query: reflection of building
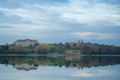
72, 57
26, 42
25, 66
75, 66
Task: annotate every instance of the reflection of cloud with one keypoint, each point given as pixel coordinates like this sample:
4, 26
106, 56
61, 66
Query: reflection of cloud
62, 79
91, 73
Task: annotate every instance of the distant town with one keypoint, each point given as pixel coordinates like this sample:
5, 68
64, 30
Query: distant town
28, 46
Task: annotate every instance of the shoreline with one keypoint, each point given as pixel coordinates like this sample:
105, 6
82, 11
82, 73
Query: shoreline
58, 55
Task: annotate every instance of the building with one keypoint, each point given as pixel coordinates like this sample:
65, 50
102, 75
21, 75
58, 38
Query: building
26, 42
72, 52
73, 44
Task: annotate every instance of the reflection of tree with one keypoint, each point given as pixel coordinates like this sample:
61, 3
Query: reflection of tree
28, 63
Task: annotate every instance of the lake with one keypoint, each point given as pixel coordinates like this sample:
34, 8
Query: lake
59, 67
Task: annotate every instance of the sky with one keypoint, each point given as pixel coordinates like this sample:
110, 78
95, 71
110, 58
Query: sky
54, 21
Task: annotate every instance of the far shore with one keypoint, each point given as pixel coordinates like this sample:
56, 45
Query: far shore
57, 55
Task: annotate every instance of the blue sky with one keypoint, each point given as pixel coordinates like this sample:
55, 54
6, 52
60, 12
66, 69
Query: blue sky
51, 21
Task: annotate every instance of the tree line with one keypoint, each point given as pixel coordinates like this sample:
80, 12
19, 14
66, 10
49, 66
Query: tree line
84, 48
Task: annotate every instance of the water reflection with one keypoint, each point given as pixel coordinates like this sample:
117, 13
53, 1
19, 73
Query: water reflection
60, 68
80, 62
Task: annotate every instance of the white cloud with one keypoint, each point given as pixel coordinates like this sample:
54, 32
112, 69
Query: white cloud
45, 19
92, 35
25, 29
85, 12
28, 14
82, 34
38, 17
76, 11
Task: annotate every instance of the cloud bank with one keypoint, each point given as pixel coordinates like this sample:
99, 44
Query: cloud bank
72, 19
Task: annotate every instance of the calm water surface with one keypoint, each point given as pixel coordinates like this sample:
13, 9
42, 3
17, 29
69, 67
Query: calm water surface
60, 68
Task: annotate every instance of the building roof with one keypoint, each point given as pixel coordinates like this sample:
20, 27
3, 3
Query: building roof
24, 40
72, 43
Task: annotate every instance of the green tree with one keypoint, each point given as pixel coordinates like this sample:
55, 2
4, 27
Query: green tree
42, 49
20, 49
